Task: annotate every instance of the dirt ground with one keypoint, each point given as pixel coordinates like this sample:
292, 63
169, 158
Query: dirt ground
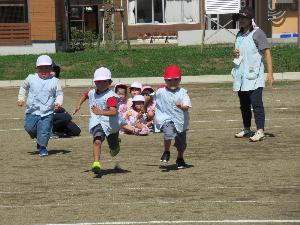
227, 178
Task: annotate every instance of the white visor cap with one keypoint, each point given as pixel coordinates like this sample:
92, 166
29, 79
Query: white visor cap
102, 73
44, 60
138, 98
136, 85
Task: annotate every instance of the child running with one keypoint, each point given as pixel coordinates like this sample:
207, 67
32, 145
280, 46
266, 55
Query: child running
171, 114
104, 120
44, 95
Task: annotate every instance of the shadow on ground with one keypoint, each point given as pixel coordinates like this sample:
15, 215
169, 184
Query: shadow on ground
168, 168
115, 170
51, 152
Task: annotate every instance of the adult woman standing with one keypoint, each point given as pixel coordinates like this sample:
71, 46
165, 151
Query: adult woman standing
251, 47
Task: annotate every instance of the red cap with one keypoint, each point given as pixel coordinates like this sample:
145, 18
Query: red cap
172, 72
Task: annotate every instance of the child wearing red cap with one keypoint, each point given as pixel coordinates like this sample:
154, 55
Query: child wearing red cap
135, 89
171, 114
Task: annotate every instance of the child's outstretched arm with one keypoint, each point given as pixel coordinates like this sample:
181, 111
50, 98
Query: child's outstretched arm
59, 97
82, 99
22, 93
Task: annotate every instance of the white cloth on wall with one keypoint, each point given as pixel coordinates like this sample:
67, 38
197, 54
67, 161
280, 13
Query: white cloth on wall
177, 11
173, 11
131, 10
191, 11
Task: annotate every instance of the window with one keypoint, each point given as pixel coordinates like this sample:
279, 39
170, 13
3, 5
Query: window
77, 17
163, 11
13, 11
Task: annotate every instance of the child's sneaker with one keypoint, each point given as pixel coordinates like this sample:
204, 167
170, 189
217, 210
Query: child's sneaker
114, 152
43, 152
258, 136
165, 157
244, 133
180, 163
96, 167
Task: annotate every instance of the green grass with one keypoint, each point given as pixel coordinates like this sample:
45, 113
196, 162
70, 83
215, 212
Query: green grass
145, 61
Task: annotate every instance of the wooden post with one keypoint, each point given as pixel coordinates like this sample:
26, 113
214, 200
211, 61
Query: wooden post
113, 39
203, 23
100, 24
203, 35
124, 27
102, 13
67, 25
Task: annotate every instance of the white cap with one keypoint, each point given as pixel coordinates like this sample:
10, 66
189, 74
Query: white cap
136, 85
102, 73
138, 98
43, 60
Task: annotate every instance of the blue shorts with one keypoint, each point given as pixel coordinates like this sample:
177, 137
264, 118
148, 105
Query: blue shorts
171, 133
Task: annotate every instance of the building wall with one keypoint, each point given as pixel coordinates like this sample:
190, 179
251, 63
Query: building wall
289, 23
261, 17
42, 20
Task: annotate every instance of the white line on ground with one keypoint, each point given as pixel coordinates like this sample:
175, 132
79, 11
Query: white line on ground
195, 121
149, 188
236, 120
68, 204
213, 110
182, 221
14, 129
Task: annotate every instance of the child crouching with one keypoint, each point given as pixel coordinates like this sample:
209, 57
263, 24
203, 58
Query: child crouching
136, 117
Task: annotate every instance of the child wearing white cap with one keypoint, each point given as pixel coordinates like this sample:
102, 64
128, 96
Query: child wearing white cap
136, 117
135, 89
44, 95
104, 120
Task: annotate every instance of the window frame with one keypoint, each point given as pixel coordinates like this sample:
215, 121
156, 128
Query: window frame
163, 15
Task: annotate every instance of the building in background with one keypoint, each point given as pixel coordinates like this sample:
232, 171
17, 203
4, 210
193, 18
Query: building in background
35, 26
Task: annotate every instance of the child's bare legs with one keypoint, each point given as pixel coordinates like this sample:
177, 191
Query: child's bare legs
167, 145
180, 154
97, 149
180, 144
96, 166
